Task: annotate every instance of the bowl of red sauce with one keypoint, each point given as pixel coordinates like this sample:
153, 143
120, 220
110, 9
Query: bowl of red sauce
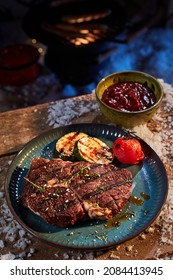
19, 64
129, 98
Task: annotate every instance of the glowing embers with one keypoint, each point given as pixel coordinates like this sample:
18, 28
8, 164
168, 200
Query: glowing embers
78, 34
86, 17
87, 36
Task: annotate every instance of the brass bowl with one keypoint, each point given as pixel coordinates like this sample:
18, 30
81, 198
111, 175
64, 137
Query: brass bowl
129, 119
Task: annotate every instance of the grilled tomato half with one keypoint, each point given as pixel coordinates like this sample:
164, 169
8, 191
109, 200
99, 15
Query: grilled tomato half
128, 150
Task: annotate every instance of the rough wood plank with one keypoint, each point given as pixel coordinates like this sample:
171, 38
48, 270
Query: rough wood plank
21, 125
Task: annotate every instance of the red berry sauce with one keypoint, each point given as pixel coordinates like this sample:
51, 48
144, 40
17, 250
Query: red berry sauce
129, 96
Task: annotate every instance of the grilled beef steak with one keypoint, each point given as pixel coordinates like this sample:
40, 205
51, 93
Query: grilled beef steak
63, 192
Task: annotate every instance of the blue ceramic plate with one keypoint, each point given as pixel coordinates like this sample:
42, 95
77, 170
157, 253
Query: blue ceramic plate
150, 181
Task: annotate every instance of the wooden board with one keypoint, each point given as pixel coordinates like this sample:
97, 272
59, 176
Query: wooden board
20, 126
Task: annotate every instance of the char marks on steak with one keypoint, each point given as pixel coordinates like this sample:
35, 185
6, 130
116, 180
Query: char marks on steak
63, 192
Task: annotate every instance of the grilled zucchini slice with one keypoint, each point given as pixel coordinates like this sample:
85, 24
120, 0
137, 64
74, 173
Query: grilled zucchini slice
65, 145
92, 149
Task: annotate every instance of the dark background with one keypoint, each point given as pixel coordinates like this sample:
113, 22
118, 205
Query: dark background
150, 50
